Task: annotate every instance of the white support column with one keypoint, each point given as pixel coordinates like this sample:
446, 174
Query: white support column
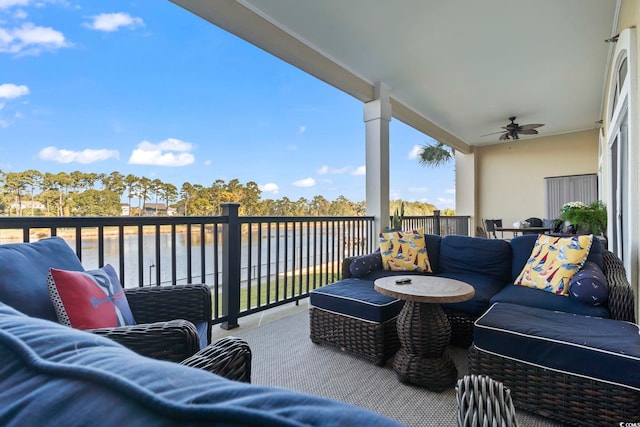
467, 188
377, 115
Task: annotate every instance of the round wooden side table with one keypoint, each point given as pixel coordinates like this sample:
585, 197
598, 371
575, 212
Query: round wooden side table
423, 328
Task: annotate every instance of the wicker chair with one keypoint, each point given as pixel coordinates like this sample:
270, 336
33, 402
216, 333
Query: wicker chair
166, 316
484, 402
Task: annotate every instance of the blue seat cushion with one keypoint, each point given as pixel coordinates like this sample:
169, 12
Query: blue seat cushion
54, 375
531, 297
602, 349
522, 246
475, 255
24, 268
485, 286
356, 298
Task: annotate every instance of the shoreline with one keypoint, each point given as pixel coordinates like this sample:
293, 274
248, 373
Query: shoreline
15, 235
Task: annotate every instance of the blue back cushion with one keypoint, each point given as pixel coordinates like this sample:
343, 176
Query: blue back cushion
24, 268
531, 297
433, 251
485, 288
522, 246
55, 375
475, 255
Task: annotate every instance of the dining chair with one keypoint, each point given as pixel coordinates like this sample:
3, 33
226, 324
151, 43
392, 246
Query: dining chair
490, 226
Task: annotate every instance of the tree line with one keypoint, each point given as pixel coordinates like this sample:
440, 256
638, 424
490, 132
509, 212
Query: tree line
33, 193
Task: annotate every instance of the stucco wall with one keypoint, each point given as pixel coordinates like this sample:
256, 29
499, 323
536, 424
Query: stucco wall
510, 176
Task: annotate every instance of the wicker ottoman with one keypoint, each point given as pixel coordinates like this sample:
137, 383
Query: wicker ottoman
353, 317
575, 369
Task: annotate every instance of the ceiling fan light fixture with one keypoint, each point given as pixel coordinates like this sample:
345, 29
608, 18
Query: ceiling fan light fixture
513, 130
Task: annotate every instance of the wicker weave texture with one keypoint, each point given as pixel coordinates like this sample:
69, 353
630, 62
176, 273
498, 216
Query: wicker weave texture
484, 402
375, 342
620, 300
163, 303
173, 341
424, 332
461, 327
229, 357
562, 397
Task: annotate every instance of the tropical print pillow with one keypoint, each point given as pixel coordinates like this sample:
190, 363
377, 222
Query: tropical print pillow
404, 251
554, 261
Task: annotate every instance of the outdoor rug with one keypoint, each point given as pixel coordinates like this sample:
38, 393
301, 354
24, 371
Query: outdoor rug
284, 356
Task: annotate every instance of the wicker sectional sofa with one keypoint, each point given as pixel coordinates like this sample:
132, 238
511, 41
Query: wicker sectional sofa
598, 383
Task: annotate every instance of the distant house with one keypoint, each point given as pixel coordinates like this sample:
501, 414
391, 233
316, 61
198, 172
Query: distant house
171, 211
152, 209
125, 209
28, 205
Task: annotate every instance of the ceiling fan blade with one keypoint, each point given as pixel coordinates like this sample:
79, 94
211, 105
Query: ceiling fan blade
531, 126
492, 133
528, 132
504, 136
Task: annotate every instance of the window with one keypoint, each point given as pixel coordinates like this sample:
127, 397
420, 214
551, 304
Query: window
559, 190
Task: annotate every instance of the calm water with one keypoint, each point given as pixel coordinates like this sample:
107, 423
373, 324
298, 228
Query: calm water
315, 251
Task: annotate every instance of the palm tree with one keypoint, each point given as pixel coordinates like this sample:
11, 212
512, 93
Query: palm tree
156, 187
144, 188
435, 155
131, 183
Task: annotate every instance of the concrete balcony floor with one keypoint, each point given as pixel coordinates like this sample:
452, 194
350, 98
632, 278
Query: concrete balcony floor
284, 356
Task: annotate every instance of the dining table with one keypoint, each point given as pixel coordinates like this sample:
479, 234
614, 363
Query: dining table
524, 230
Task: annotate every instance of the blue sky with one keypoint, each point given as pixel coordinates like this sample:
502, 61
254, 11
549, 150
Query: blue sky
147, 88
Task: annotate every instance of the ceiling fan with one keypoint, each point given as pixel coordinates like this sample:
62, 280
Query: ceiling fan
512, 130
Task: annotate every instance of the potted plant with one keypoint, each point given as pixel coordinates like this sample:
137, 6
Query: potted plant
590, 218
396, 220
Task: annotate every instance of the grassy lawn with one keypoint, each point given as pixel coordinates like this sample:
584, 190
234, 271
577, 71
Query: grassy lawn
292, 289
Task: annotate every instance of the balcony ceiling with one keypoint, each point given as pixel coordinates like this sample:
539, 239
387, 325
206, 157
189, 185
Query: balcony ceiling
456, 69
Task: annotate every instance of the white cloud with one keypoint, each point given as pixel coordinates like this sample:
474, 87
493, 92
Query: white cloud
415, 152
86, 156
292, 147
6, 4
328, 170
360, 170
307, 182
30, 39
161, 154
20, 14
9, 90
302, 129
208, 162
450, 191
110, 22
269, 187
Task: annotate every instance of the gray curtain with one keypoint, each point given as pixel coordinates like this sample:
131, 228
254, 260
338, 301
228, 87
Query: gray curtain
563, 189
